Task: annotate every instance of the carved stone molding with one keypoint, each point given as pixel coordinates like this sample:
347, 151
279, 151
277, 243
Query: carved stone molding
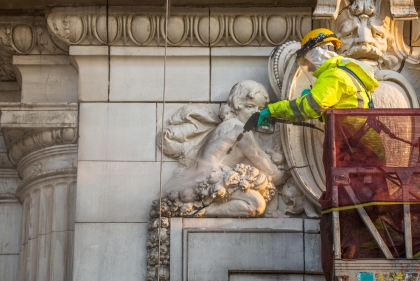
28, 128
399, 9
35, 140
140, 26
20, 35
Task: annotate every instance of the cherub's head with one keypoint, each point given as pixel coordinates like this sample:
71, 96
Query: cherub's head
245, 98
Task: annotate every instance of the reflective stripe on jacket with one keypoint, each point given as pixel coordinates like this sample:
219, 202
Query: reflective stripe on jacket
334, 88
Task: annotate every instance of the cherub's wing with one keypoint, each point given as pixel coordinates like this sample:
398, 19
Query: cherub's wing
188, 130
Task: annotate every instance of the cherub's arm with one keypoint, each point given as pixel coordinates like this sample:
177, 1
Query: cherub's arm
259, 158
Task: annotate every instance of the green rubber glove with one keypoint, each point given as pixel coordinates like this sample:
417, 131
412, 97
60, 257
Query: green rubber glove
305, 92
264, 114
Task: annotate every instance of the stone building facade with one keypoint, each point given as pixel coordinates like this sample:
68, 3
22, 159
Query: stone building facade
85, 88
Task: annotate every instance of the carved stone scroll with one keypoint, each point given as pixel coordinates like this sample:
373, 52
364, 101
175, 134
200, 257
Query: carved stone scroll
326, 9
399, 9
403, 10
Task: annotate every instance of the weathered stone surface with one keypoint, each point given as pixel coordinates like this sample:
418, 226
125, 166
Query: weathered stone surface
41, 140
140, 71
231, 65
187, 26
92, 64
116, 191
170, 109
108, 251
9, 181
121, 132
39, 115
265, 277
10, 224
278, 246
9, 92
8, 267
46, 78
233, 244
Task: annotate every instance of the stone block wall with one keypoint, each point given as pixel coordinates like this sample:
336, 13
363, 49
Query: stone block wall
118, 158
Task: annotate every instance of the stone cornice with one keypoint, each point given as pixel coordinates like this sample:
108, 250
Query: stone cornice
27, 128
145, 26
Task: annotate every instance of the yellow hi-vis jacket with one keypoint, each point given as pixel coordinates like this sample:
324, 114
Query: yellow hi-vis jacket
334, 88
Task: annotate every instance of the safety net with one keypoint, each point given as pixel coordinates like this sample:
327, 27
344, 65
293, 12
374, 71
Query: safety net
372, 162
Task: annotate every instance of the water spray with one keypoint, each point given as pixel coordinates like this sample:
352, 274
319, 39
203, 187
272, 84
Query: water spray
253, 122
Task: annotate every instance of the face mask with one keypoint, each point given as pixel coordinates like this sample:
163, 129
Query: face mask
318, 55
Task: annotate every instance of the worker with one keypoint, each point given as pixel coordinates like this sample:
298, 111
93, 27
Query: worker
341, 83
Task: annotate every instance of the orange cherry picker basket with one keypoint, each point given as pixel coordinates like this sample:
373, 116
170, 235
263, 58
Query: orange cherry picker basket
370, 223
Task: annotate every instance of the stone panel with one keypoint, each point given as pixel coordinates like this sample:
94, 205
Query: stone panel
116, 191
117, 132
140, 72
249, 276
235, 245
8, 267
312, 247
232, 65
110, 251
10, 224
245, 250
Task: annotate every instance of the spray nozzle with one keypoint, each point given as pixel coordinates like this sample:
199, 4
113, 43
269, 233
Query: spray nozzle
249, 125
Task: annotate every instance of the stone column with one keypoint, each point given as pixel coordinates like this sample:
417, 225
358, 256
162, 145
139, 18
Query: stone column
42, 142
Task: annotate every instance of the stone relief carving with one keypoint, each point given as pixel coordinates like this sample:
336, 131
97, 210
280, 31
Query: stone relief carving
144, 26
211, 183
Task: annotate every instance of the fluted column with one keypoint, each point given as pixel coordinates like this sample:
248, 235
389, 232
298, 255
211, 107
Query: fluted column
42, 142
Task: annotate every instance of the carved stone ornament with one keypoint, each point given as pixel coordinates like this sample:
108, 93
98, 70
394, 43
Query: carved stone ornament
399, 9
245, 183
145, 26
25, 35
29, 128
367, 33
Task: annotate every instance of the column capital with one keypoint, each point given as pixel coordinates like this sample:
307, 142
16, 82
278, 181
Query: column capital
27, 128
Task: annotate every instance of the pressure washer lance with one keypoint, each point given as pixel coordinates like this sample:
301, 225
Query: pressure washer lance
253, 121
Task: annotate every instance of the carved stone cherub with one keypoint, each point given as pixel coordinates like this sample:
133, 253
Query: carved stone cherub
214, 184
